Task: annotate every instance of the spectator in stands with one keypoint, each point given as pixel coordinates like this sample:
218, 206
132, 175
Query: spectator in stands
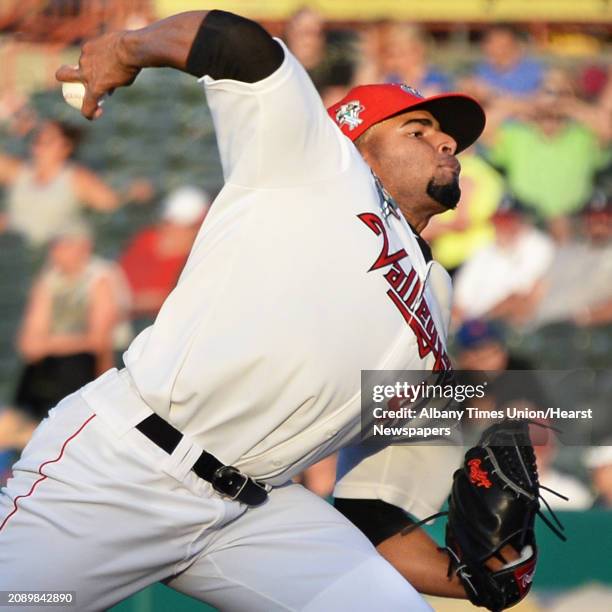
10, 13
457, 234
503, 279
551, 149
605, 96
585, 262
506, 69
130, 14
546, 450
46, 192
482, 356
328, 59
599, 460
46, 27
66, 336
592, 83
405, 60
155, 257
17, 114
305, 36
480, 345
371, 47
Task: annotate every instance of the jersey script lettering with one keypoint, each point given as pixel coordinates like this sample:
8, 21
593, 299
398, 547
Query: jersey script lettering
405, 292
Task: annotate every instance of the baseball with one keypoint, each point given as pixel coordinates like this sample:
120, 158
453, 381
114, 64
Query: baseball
73, 94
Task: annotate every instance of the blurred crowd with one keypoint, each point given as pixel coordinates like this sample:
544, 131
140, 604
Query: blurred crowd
529, 246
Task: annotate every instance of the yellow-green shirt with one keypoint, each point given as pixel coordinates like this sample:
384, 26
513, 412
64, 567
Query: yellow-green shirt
452, 248
552, 174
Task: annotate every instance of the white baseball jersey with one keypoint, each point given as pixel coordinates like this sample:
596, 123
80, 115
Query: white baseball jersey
294, 285
415, 477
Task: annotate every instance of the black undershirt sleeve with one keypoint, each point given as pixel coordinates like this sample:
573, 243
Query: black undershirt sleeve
228, 46
377, 519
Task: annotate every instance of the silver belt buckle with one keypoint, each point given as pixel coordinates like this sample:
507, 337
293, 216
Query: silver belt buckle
229, 481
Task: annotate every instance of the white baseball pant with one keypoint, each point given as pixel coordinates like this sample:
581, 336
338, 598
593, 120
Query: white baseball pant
91, 512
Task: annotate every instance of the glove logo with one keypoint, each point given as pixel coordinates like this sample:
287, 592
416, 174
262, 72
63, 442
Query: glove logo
526, 579
478, 476
524, 576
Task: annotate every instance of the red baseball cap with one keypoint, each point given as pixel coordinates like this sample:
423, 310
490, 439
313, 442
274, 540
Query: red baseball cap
459, 115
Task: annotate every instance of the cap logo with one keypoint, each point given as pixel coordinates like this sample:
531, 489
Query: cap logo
411, 90
348, 114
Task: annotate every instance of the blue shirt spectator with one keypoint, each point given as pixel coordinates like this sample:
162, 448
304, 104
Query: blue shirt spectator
433, 79
522, 79
405, 60
506, 69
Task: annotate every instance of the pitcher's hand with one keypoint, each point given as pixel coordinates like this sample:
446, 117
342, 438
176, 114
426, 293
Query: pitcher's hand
102, 68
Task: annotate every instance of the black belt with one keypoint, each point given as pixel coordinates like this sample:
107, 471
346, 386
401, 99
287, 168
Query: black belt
225, 479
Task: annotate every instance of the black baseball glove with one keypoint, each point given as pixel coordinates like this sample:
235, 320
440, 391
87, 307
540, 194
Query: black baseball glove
492, 508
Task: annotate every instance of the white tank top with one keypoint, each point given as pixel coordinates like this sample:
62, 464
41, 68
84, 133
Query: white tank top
39, 211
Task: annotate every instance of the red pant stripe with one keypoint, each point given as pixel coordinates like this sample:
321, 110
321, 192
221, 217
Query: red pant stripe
43, 476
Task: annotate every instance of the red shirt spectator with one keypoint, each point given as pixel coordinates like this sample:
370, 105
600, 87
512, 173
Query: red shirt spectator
154, 259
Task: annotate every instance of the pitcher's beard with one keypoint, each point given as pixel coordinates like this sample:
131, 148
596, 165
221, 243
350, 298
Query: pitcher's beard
447, 194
